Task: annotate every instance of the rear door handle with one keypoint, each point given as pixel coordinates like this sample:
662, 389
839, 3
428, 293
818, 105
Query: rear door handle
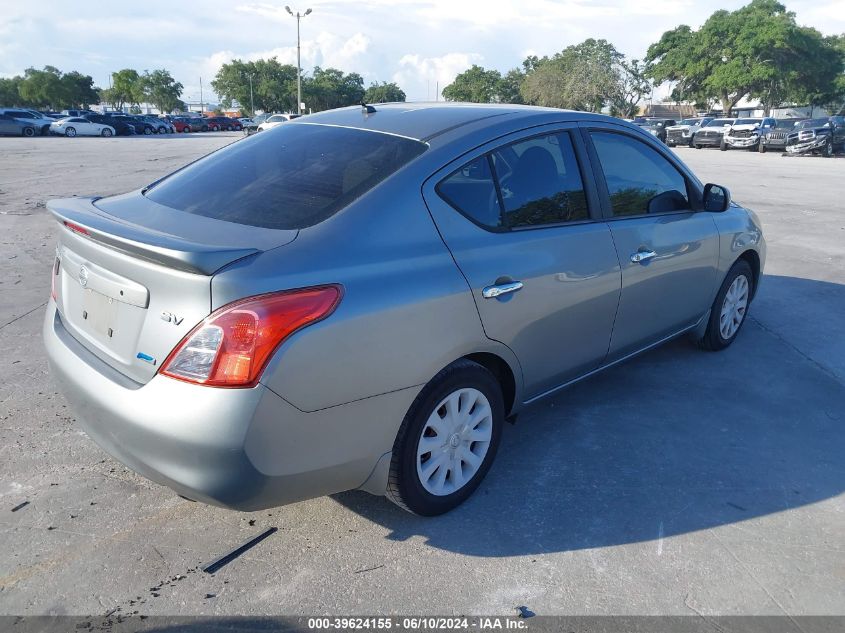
491, 292
642, 256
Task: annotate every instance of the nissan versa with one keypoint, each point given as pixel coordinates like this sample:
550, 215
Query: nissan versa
361, 298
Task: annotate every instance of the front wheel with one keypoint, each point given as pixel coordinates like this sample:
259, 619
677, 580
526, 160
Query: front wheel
148, 131
29, 131
723, 146
447, 441
729, 308
761, 148
827, 151
71, 132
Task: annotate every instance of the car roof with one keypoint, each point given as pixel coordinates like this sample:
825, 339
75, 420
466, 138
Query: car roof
423, 121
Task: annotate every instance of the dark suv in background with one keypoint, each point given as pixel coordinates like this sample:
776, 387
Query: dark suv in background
657, 127
823, 136
775, 138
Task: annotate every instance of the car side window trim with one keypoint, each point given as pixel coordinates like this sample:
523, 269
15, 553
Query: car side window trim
694, 192
593, 200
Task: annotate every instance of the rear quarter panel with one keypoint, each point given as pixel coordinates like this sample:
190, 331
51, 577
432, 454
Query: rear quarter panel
406, 312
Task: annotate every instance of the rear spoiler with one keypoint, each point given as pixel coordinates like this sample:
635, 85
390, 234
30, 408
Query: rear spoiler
82, 217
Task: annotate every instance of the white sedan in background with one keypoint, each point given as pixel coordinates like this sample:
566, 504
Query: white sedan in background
74, 125
276, 119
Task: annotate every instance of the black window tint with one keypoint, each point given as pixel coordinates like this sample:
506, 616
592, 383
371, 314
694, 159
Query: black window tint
540, 182
290, 177
471, 191
639, 180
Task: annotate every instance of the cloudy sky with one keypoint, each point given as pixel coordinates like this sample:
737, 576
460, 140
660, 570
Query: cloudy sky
416, 43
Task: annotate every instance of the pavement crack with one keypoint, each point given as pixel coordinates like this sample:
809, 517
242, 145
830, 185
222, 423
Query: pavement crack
799, 351
18, 318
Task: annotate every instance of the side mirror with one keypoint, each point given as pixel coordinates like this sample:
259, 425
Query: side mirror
716, 198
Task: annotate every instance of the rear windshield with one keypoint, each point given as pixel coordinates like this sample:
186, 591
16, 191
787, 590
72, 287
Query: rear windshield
289, 177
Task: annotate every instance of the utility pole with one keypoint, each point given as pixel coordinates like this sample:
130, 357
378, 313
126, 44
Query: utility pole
251, 100
298, 16
202, 108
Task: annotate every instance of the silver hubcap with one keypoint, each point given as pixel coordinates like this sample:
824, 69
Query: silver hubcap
734, 307
454, 441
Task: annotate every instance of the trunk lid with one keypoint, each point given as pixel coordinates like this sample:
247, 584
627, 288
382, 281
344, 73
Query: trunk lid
133, 276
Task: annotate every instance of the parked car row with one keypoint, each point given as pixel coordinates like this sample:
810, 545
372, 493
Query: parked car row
824, 136
25, 122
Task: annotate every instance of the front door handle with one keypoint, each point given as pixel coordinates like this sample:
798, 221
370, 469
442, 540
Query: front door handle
641, 257
491, 292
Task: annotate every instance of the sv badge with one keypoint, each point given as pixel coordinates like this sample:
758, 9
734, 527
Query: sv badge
169, 317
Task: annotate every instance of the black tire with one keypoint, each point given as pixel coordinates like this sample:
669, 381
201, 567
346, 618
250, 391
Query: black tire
697, 146
404, 487
70, 132
827, 150
28, 131
148, 130
761, 148
713, 340
723, 146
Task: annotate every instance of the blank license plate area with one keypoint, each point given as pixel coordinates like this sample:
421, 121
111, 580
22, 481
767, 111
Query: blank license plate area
99, 313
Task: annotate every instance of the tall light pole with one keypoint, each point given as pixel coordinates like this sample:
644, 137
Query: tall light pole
298, 16
251, 99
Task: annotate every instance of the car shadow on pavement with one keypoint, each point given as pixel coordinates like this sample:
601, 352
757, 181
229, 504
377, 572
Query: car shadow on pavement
675, 441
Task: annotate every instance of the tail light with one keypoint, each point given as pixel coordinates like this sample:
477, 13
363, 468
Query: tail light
231, 347
57, 265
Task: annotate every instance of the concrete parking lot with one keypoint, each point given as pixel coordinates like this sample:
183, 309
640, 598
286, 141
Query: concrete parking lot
682, 482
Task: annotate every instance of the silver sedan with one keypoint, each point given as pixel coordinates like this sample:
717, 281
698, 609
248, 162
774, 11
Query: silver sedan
361, 298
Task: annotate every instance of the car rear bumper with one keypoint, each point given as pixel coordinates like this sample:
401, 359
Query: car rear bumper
244, 449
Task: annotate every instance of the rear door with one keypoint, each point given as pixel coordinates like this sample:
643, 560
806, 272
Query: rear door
668, 251
522, 223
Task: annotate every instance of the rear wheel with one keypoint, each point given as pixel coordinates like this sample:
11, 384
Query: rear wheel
148, 131
729, 308
106, 132
723, 146
447, 441
697, 146
761, 148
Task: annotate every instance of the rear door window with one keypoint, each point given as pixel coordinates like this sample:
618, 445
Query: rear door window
290, 177
535, 182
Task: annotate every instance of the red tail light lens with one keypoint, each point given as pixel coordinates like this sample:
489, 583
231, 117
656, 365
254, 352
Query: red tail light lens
76, 228
231, 347
56, 267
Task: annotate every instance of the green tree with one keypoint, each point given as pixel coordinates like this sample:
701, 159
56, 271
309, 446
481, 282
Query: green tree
475, 85
383, 93
509, 89
273, 85
581, 77
329, 88
43, 88
632, 86
78, 90
127, 88
10, 91
162, 90
757, 50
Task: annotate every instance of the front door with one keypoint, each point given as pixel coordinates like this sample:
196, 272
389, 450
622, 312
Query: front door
525, 231
667, 250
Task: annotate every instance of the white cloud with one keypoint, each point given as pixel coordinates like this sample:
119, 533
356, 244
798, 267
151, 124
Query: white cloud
416, 72
414, 42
